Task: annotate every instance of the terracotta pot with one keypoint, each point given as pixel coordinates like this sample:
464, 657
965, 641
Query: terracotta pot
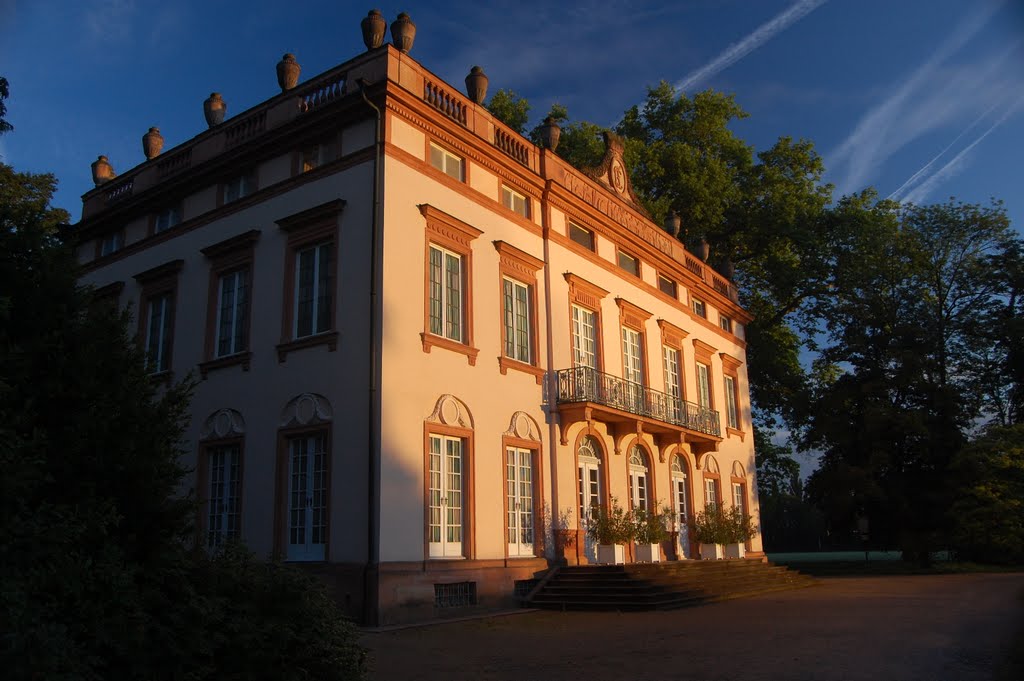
550, 133
214, 108
476, 84
288, 72
152, 143
374, 27
102, 171
727, 269
403, 32
672, 223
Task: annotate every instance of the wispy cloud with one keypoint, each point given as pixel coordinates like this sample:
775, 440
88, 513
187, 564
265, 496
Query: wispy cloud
932, 97
956, 164
736, 51
110, 20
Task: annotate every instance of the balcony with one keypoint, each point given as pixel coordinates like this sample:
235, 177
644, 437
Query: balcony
585, 393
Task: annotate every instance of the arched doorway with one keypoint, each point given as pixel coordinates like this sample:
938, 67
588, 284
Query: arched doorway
681, 505
590, 488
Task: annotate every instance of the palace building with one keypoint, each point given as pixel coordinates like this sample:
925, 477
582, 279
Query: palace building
425, 347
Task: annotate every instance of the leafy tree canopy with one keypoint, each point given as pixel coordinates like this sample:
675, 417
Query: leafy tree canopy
510, 109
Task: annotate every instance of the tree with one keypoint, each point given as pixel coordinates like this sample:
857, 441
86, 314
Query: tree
988, 514
510, 109
5, 92
896, 395
96, 561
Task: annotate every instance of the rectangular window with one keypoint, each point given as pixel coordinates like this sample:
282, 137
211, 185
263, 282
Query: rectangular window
313, 290
223, 516
165, 219
710, 493
446, 294
732, 418
307, 497
673, 386
703, 386
519, 501
515, 201
232, 323
517, 320
699, 308
158, 332
633, 369
444, 502
311, 158
629, 263
111, 243
725, 322
584, 337
238, 187
584, 237
447, 162
739, 498
667, 286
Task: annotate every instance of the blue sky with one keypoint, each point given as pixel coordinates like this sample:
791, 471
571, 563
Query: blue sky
924, 98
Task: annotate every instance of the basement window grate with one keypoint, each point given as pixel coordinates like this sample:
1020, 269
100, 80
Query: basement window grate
523, 587
456, 595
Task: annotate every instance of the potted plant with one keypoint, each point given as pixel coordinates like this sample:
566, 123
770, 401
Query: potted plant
710, 528
650, 528
564, 535
740, 529
611, 528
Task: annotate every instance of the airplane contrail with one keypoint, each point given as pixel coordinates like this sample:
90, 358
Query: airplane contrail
923, 170
760, 36
920, 192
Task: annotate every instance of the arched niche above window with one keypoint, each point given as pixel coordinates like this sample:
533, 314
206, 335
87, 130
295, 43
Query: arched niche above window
523, 426
307, 409
221, 424
451, 411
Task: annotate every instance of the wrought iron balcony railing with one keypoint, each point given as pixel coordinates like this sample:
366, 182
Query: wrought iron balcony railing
583, 384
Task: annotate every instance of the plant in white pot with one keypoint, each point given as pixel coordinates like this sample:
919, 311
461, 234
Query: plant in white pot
740, 530
650, 528
711, 528
610, 527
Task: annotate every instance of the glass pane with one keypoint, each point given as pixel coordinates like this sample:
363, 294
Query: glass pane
323, 300
436, 326
305, 278
522, 324
510, 324
453, 295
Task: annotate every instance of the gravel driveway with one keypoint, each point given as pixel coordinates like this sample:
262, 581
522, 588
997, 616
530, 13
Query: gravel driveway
927, 628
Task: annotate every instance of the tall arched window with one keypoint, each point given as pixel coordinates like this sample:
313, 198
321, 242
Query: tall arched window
639, 483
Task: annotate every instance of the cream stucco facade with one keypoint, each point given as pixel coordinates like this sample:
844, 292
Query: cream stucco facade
413, 329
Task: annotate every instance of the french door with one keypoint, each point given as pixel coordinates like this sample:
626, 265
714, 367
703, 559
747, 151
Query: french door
519, 498
444, 531
222, 519
307, 497
638, 479
633, 369
681, 503
590, 492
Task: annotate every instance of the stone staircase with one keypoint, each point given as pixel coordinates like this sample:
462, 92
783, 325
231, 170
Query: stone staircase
659, 586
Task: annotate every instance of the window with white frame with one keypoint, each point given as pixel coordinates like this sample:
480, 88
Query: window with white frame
581, 235
238, 187
633, 367
165, 219
515, 201
313, 284
444, 497
739, 497
158, 332
703, 385
446, 294
673, 384
111, 243
710, 493
667, 286
232, 324
447, 162
519, 501
584, 337
629, 263
725, 322
732, 418
307, 497
638, 484
699, 308
680, 502
223, 506
516, 302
